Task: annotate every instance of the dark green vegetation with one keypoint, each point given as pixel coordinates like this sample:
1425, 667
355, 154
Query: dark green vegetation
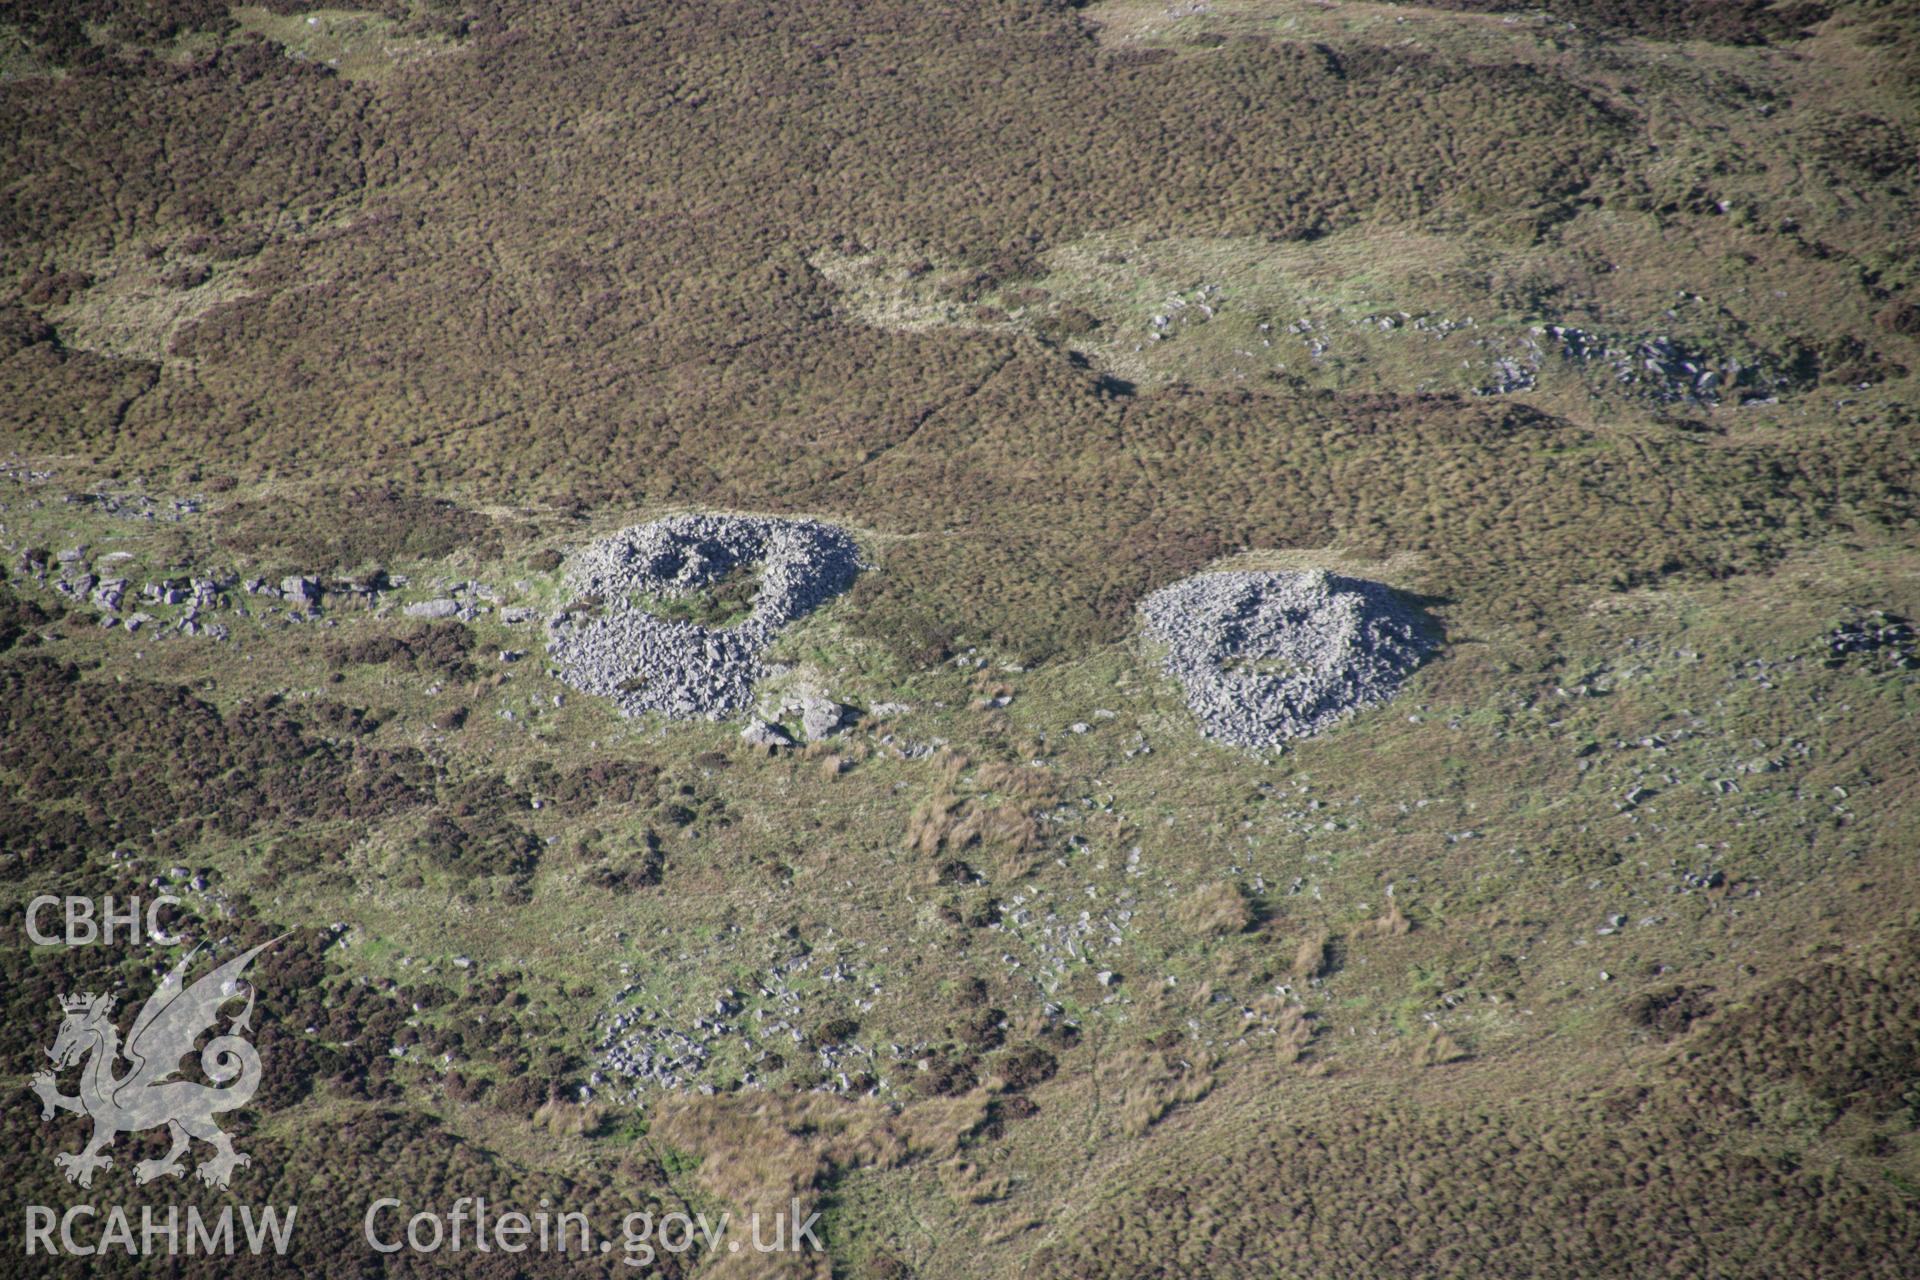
1591, 954
720, 604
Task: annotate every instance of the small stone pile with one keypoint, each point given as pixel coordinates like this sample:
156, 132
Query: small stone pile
1667, 370
644, 662
1265, 657
1887, 637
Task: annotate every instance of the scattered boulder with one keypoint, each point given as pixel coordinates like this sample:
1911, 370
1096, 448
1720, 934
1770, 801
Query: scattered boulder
441, 608
821, 717
759, 733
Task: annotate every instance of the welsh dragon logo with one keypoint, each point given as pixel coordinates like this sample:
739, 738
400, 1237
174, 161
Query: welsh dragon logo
144, 1096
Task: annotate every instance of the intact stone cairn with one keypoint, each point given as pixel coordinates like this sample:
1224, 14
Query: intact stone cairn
1265, 657
644, 662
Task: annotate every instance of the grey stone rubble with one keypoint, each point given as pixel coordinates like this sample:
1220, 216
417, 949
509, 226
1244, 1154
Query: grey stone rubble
760, 1027
904, 748
1268, 656
1886, 637
1665, 369
643, 662
1059, 936
190, 596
